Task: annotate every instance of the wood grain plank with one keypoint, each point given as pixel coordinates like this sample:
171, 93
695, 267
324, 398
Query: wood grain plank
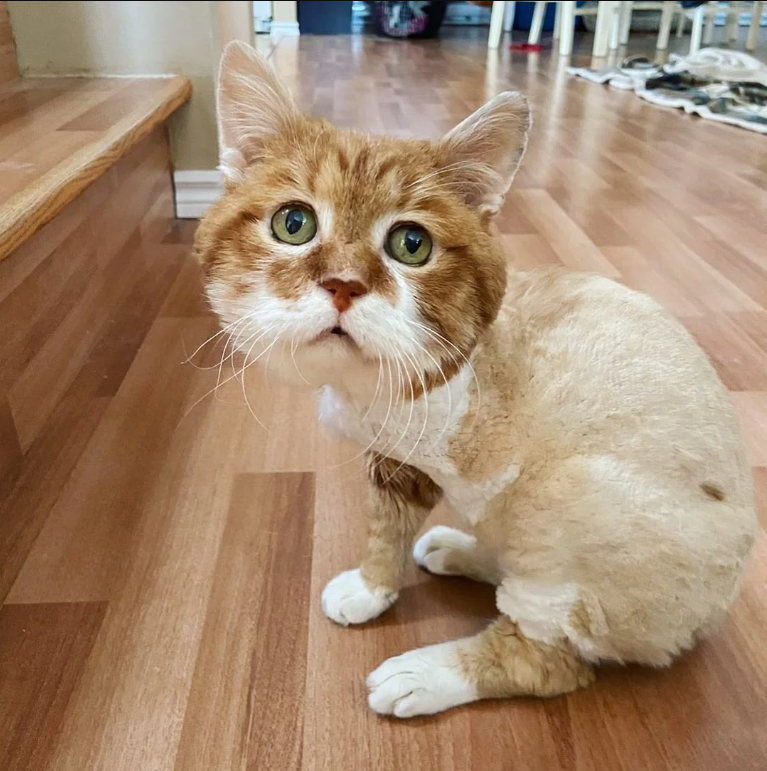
86, 546
760, 483
736, 343
573, 247
245, 706
127, 711
43, 649
10, 449
752, 411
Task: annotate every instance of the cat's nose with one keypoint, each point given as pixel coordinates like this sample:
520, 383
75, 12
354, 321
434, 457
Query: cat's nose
343, 291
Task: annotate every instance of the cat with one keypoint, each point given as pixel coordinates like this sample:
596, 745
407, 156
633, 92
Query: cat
574, 426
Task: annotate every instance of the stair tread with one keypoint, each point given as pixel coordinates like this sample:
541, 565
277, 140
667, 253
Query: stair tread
57, 135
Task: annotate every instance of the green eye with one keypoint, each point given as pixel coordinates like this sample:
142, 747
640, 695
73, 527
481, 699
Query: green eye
294, 224
409, 244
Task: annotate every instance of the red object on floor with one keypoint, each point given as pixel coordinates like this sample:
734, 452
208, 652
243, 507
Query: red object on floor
527, 47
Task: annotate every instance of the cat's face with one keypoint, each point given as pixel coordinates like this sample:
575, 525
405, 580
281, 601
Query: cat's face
337, 251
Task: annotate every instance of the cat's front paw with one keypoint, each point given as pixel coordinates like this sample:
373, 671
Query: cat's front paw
347, 599
420, 682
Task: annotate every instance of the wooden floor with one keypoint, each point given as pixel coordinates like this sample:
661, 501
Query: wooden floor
166, 617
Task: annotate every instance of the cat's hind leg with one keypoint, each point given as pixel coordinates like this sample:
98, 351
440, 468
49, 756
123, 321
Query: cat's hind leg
446, 551
498, 662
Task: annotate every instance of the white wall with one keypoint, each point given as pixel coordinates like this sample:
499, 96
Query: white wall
129, 37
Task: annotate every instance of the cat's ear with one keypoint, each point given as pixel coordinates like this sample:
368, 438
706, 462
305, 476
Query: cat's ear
252, 104
482, 153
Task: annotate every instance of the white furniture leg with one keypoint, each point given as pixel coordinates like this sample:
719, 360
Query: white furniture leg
566, 29
697, 28
496, 24
536, 27
627, 10
708, 35
557, 20
604, 24
730, 34
682, 23
753, 28
666, 17
615, 25
508, 17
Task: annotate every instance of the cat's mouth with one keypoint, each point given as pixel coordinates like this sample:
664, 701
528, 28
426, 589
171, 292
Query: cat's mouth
338, 335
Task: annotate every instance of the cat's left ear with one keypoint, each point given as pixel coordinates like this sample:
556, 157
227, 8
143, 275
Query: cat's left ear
252, 105
481, 154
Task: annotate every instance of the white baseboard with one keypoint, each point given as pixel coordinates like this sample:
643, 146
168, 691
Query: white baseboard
196, 190
284, 29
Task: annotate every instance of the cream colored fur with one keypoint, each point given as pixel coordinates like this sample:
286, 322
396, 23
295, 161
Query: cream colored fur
610, 425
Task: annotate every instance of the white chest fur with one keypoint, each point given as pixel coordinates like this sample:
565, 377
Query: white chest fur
418, 433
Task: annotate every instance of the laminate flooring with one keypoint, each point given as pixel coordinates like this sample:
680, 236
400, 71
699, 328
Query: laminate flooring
167, 616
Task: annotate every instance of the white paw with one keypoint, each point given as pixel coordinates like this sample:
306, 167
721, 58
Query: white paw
420, 682
432, 549
347, 600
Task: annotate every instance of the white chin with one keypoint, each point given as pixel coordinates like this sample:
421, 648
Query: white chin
328, 360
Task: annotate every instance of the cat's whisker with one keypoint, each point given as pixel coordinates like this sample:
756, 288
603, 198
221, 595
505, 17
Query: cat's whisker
247, 364
425, 394
244, 391
188, 357
449, 415
293, 347
235, 347
386, 417
442, 340
222, 383
223, 330
403, 380
375, 394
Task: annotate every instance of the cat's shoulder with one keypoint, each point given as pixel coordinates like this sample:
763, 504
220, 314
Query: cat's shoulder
551, 295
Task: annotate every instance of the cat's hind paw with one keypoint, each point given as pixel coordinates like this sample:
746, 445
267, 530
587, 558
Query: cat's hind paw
420, 682
436, 549
347, 599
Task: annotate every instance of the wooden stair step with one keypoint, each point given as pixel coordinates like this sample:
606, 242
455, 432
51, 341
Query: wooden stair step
57, 135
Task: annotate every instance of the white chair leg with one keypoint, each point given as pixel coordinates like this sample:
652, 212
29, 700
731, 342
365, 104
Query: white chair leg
753, 28
508, 17
730, 34
697, 28
708, 35
539, 12
681, 24
566, 28
615, 25
627, 9
666, 18
496, 24
604, 24
557, 20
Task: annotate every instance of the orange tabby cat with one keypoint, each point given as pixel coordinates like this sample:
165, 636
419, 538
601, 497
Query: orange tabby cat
576, 428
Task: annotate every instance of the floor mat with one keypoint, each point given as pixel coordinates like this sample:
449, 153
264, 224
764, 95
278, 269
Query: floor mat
721, 85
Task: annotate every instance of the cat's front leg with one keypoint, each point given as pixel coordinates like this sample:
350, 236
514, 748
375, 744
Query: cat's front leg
401, 499
496, 663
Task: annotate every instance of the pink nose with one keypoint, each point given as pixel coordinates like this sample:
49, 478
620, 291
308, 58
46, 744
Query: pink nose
343, 292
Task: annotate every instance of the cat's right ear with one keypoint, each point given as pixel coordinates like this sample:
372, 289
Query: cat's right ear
252, 104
